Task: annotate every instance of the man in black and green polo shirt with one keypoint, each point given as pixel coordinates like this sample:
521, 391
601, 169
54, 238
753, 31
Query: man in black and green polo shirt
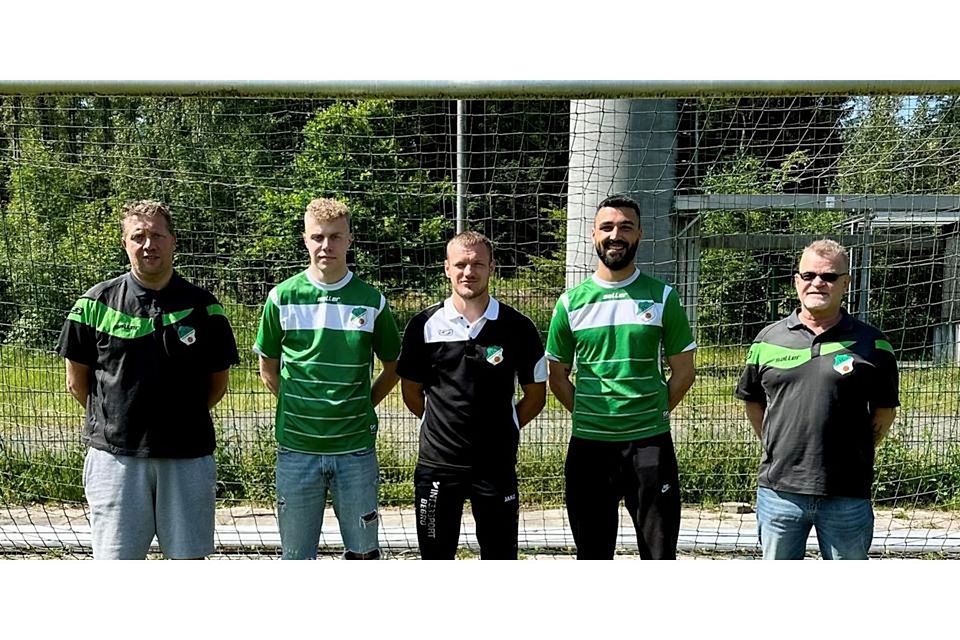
616, 327
821, 390
148, 355
461, 363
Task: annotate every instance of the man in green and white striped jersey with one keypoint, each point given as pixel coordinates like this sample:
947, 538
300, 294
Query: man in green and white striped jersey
318, 335
615, 327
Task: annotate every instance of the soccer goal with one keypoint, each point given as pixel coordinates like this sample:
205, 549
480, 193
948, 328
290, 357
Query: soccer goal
733, 184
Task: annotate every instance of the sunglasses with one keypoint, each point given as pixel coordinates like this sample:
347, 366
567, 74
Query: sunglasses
827, 276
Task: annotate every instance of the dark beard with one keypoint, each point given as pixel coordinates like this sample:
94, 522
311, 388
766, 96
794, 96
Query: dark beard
616, 265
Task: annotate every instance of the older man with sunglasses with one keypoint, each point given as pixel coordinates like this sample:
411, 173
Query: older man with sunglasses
821, 390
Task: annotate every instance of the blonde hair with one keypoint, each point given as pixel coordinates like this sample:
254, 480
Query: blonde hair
145, 209
469, 240
830, 249
325, 209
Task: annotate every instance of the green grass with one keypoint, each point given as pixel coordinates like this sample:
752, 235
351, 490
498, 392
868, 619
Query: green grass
717, 452
32, 385
711, 471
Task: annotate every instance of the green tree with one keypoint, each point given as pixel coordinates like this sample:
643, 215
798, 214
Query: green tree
354, 151
741, 291
893, 147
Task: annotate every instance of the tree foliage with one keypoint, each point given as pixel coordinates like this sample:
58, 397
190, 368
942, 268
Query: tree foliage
741, 291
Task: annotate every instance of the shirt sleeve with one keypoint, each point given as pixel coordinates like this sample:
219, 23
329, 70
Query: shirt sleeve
886, 391
560, 342
412, 364
78, 340
223, 347
269, 333
677, 336
533, 365
386, 336
750, 386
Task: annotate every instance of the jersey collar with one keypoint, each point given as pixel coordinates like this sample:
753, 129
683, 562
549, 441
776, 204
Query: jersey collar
137, 289
606, 284
492, 312
794, 322
331, 286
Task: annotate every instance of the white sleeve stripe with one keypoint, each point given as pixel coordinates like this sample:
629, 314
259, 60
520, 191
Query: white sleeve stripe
689, 347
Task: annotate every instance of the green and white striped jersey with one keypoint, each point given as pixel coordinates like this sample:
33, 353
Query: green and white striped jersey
325, 336
616, 334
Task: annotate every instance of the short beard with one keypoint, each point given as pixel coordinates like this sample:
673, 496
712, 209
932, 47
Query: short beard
616, 265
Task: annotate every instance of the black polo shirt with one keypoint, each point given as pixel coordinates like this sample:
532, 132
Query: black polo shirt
151, 354
469, 374
819, 392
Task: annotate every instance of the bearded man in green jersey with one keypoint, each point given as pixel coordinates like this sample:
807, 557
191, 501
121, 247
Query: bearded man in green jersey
318, 335
614, 328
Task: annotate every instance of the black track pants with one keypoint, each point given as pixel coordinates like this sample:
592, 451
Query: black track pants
440, 495
641, 472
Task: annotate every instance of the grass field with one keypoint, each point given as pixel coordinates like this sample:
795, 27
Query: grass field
41, 456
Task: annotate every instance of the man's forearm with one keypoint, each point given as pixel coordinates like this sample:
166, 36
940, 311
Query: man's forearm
677, 387
561, 385
755, 412
384, 383
413, 397
219, 381
270, 374
882, 421
78, 381
532, 403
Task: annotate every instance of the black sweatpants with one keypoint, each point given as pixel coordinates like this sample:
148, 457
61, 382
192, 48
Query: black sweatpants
641, 472
440, 495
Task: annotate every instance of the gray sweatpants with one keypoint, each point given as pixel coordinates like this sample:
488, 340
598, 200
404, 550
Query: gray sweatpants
132, 499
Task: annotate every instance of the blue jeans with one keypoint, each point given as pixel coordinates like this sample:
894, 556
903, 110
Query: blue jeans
844, 525
303, 480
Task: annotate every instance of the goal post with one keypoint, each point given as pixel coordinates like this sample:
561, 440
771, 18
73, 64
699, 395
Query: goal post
734, 180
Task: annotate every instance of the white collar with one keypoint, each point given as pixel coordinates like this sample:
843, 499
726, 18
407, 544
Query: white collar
490, 313
606, 284
330, 286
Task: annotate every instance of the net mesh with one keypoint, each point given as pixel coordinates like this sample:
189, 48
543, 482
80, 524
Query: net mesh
738, 186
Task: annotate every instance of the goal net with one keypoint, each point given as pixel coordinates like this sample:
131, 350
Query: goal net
732, 189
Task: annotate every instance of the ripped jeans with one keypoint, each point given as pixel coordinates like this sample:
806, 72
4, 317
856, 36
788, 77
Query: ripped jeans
303, 480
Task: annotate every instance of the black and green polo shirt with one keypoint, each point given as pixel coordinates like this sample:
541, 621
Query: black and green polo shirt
819, 392
151, 353
470, 374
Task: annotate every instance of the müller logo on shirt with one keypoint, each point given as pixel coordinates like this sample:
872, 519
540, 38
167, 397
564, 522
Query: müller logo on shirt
843, 364
494, 355
358, 316
645, 310
188, 335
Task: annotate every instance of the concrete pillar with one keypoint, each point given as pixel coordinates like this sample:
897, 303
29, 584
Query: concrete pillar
629, 147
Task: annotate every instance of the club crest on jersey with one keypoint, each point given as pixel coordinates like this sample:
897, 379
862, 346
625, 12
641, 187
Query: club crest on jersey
358, 317
494, 355
188, 335
645, 310
843, 364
